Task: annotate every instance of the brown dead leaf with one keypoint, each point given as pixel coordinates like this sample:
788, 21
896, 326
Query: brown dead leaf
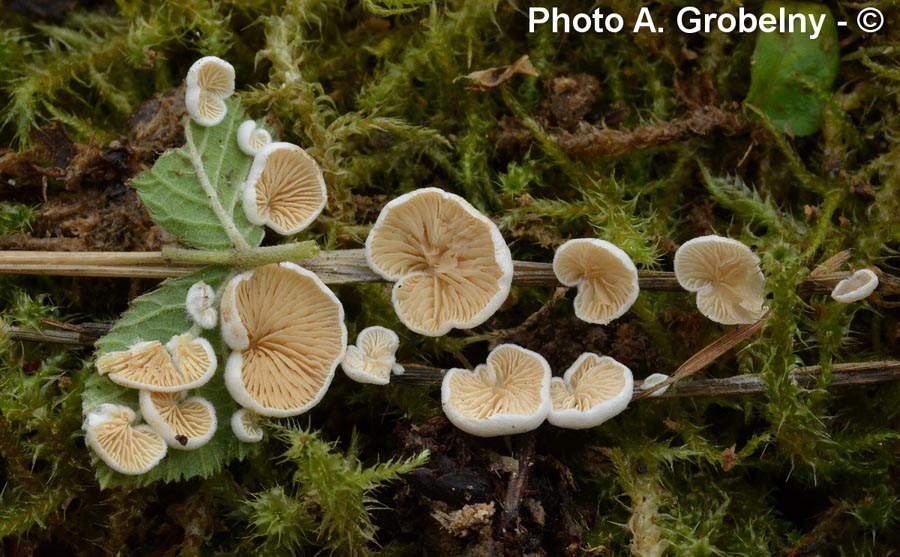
492, 77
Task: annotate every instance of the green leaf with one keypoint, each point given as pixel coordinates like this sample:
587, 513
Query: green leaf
176, 198
158, 316
792, 73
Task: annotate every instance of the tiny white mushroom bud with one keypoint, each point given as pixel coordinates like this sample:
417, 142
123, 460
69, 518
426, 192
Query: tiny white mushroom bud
199, 305
653, 380
856, 287
245, 425
251, 138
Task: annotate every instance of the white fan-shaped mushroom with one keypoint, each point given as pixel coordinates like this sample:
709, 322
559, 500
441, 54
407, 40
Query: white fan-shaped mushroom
285, 189
653, 380
287, 335
251, 138
245, 426
210, 81
510, 393
593, 390
726, 276
373, 358
449, 263
856, 287
123, 446
199, 305
185, 423
188, 363
606, 278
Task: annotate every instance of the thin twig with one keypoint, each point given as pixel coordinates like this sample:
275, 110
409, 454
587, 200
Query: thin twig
340, 267
848, 374
707, 355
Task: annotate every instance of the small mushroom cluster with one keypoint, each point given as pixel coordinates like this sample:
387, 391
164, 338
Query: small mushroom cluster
284, 327
163, 374
450, 268
513, 392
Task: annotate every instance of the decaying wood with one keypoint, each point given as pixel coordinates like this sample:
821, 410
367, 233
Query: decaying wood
340, 267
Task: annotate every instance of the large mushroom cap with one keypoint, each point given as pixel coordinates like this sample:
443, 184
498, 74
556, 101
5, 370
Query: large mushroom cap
210, 81
593, 390
245, 426
126, 448
184, 423
450, 263
188, 363
606, 278
510, 393
726, 276
285, 189
856, 287
373, 357
287, 333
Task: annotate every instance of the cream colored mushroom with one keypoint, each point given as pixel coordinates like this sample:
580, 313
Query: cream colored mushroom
653, 380
606, 278
183, 363
593, 390
245, 425
251, 138
123, 446
184, 423
373, 358
287, 335
510, 393
856, 287
210, 81
449, 262
285, 189
725, 275
199, 305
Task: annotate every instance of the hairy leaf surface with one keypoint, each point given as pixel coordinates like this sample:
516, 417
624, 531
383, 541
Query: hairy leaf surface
176, 199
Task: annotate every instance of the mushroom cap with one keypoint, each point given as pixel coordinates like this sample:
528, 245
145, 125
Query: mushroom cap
251, 138
199, 305
188, 363
124, 447
449, 262
287, 333
508, 394
245, 426
655, 379
285, 189
593, 390
856, 287
373, 357
726, 276
606, 278
210, 81
184, 423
